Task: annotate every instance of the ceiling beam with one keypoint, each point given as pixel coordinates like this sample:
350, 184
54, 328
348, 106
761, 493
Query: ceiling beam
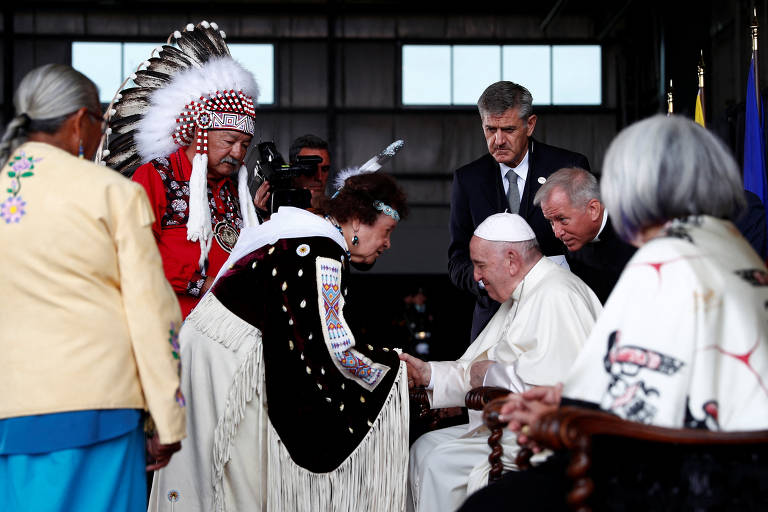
612, 22
552, 14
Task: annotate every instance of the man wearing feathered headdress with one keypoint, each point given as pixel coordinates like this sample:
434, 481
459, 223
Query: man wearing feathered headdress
196, 119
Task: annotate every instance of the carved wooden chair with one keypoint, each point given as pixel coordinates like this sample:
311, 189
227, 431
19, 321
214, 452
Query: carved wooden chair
616, 464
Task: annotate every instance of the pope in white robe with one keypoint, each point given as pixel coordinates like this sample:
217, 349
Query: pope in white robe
532, 340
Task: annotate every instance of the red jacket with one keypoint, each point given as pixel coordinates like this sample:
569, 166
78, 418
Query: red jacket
166, 181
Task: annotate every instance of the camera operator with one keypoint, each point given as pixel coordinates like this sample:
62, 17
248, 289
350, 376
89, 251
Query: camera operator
306, 145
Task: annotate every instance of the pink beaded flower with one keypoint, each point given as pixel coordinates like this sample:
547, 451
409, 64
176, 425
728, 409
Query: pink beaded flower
12, 209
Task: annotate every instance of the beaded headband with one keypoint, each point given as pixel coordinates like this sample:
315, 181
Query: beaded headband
222, 110
387, 210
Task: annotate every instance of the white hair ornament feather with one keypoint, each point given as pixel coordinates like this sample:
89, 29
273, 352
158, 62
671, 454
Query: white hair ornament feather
372, 165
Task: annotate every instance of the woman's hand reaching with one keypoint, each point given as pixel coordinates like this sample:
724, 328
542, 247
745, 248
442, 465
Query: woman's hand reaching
525, 409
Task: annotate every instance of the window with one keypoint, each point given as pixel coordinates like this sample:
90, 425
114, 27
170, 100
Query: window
472, 72
259, 59
576, 75
529, 66
426, 75
458, 74
108, 64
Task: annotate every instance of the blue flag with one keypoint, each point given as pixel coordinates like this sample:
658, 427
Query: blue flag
754, 141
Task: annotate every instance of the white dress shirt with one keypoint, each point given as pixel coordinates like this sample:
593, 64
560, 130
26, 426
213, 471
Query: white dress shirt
602, 226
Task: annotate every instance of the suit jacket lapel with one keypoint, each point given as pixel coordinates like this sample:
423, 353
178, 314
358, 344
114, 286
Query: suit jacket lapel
532, 184
493, 186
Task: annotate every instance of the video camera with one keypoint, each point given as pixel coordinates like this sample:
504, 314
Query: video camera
272, 167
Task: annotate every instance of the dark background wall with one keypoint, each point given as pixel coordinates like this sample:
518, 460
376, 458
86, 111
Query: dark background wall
337, 75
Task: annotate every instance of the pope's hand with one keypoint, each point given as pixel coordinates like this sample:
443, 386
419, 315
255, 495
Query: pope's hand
477, 372
419, 372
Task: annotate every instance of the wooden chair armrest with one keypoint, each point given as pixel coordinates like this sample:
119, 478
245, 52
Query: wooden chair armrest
565, 427
424, 412
477, 398
573, 428
419, 396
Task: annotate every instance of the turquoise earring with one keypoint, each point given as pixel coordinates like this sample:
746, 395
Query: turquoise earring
80, 152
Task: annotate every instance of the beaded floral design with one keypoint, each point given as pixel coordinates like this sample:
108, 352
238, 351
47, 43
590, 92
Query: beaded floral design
14, 208
173, 339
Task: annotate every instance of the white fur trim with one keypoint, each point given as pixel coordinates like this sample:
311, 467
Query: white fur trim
154, 132
342, 176
247, 208
199, 220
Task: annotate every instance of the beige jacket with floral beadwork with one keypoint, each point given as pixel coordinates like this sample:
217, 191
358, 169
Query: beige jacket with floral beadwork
87, 318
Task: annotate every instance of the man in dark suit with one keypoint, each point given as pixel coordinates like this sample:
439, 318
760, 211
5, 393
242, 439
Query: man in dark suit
483, 187
570, 201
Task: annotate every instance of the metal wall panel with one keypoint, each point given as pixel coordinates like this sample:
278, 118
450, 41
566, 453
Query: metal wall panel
366, 115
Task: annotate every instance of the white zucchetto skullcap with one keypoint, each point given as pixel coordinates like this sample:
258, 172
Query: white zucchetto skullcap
504, 227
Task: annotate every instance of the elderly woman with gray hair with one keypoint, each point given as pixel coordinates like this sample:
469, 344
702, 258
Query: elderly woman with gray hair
683, 339
87, 319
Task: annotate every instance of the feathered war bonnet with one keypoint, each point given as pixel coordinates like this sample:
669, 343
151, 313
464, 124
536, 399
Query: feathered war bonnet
181, 92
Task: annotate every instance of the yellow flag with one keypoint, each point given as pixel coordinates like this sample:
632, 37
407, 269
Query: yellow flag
699, 116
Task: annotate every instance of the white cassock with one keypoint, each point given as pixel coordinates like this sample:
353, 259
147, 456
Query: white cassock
537, 335
683, 340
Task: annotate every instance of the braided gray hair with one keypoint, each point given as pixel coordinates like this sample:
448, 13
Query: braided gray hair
44, 99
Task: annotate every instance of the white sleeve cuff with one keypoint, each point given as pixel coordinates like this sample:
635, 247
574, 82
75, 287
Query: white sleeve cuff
505, 376
431, 384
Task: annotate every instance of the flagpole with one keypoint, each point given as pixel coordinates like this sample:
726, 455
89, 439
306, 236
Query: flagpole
699, 116
754, 30
670, 100
701, 77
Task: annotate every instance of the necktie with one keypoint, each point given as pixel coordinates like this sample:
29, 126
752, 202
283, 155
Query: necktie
513, 194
